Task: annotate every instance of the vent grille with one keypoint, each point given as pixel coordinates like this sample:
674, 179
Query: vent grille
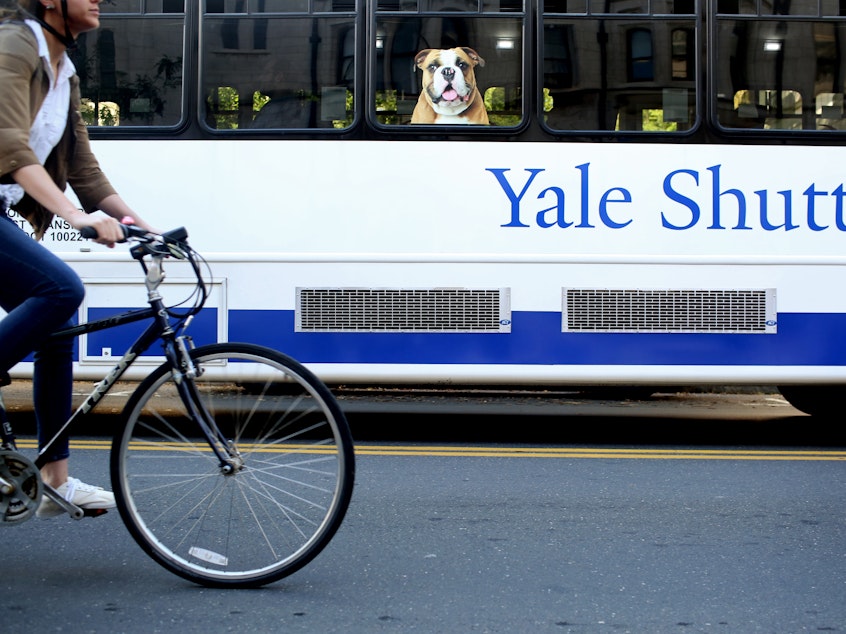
700, 311
403, 310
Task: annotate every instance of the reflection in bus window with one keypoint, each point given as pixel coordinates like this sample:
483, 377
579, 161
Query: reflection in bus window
781, 75
617, 75
683, 53
739, 7
641, 57
278, 6
399, 82
143, 6
139, 82
811, 8
120, 6
790, 7
829, 111
278, 72
619, 6
105, 113
833, 7
282, 6
774, 109
450, 5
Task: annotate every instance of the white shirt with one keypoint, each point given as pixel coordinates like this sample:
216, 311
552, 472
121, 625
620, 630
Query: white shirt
52, 117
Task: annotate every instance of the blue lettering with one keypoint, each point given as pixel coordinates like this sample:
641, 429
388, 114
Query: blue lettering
838, 208
788, 211
682, 188
558, 208
717, 195
603, 207
673, 195
512, 197
812, 193
556, 215
585, 223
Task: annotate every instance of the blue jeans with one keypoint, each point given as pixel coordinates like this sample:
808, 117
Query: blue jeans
40, 293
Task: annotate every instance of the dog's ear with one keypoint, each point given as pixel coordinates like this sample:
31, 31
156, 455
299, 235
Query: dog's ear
421, 57
473, 55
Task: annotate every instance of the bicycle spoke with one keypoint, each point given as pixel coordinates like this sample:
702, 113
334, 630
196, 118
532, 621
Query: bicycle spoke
289, 478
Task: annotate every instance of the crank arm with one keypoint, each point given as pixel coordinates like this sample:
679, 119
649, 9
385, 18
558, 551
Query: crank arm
72, 509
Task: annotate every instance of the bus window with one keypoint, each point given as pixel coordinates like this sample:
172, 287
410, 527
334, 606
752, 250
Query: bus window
486, 42
278, 71
130, 69
780, 75
619, 74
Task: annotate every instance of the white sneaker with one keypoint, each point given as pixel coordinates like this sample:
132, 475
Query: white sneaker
85, 496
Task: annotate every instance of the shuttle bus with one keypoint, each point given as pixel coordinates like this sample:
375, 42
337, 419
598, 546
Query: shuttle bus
655, 195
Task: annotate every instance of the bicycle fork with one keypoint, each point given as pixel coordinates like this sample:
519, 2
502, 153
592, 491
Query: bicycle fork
185, 371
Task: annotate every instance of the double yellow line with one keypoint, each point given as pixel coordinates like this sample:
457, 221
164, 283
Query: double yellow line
566, 453
595, 453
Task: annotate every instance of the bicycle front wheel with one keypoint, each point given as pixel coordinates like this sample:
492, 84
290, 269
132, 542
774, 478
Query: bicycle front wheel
255, 524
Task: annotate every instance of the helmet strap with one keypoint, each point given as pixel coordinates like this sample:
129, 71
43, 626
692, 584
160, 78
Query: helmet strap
66, 39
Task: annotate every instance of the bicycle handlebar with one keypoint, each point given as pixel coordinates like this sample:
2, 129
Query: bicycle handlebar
173, 236
173, 243
90, 233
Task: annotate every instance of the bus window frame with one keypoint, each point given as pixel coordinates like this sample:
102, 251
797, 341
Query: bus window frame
188, 55
716, 18
637, 19
357, 16
440, 130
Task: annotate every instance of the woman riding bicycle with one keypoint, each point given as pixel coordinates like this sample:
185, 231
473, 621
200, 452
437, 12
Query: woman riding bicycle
44, 146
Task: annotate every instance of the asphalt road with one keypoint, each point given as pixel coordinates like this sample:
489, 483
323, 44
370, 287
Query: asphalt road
728, 532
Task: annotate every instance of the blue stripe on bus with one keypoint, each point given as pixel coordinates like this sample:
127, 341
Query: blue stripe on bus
536, 339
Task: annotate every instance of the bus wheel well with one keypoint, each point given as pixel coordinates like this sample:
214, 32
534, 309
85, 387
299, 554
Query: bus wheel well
822, 401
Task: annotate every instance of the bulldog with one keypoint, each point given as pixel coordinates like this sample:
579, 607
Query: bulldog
449, 93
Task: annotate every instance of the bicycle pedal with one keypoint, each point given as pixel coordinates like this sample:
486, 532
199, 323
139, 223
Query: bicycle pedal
94, 512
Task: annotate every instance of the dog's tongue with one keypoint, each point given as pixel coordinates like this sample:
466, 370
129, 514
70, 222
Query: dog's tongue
450, 95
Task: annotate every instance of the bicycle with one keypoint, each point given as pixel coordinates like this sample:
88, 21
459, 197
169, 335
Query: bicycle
233, 465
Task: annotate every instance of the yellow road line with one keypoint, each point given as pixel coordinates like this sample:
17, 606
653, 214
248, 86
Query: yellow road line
600, 453
569, 453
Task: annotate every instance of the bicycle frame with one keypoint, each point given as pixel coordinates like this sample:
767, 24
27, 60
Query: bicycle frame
176, 352
236, 510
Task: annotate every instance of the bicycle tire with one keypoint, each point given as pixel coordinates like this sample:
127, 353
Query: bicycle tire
262, 522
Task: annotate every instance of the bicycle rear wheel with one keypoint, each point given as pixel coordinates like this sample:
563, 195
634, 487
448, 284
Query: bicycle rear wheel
264, 520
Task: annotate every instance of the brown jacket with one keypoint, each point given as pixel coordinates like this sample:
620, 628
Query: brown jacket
24, 83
